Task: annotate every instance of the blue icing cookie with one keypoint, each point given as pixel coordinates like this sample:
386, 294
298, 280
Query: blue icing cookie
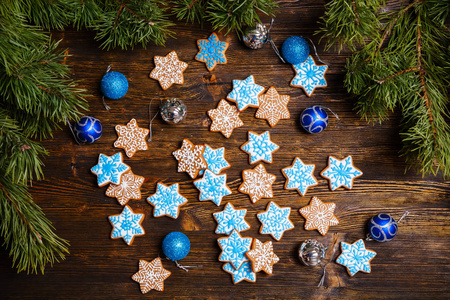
245, 272
212, 187
215, 159
275, 220
299, 176
234, 248
259, 147
355, 257
340, 172
245, 93
212, 51
127, 225
309, 76
109, 169
166, 201
230, 219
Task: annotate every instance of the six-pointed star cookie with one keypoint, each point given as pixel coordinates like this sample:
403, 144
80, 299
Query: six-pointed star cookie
340, 172
262, 256
309, 76
299, 176
275, 220
168, 70
215, 159
131, 138
166, 201
224, 118
109, 169
259, 147
319, 215
212, 187
126, 225
129, 188
190, 158
212, 51
230, 219
245, 272
257, 183
273, 107
234, 248
151, 275
355, 257
245, 93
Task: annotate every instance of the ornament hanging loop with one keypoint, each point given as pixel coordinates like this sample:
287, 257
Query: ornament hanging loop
107, 107
152, 118
331, 111
71, 130
405, 214
272, 43
185, 268
315, 51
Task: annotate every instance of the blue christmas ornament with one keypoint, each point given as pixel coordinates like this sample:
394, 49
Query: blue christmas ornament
295, 50
314, 119
114, 85
176, 245
87, 129
382, 228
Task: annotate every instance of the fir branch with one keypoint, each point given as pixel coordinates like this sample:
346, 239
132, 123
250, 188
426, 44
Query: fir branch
189, 10
49, 14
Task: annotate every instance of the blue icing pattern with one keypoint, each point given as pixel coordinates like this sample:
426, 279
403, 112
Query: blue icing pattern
341, 172
275, 220
215, 159
259, 147
355, 257
212, 187
299, 176
109, 169
127, 225
212, 51
309, 76
245, 272
166, 201
234, 248
245, 93
230, 219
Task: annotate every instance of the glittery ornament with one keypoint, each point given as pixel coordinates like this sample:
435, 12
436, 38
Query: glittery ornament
173, 110
314, 119
295, 50
256, 36
311, 252
87, 130
176, 245
114, 85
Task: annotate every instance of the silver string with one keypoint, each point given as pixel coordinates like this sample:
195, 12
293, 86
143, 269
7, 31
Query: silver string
322, 280
369, 238
185, 268
335, 114
315, 52
272, 43
151, 119
71, 130
107, 107
404, 216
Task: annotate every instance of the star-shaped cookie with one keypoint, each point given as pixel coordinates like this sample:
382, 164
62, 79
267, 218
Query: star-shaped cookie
234, 248
151, 275
355, 257
126, 225
224, 118
245, 93
259, 147
212, 51
131, 138
166, 201
129, 188
245, 272
275, 220
340, 172
319, 215
257, 183
262, 256
230, 219
168, 70
109, 169
190, 158
215, 159
273, 107
299, 176
212, 187
309, 76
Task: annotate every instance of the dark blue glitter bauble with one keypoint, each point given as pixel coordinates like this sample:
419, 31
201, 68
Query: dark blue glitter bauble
176, 245
314, 119
295, 50
383, 228
87, 129
114, 85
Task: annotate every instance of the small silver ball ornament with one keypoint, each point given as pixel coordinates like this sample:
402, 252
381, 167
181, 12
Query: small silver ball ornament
256, 36
173, 110
311, 253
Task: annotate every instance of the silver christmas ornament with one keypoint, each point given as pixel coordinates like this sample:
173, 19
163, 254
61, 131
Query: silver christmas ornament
311, 252
173, 110
256, 36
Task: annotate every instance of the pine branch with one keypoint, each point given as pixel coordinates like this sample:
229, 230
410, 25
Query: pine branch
189, 10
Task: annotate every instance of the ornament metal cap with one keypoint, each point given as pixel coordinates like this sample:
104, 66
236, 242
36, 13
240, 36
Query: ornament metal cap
311, 252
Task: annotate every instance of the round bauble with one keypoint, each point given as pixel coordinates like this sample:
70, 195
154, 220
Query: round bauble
295, 50
311, 252
314, 119
114, 85
176, 245
256, 36
87, 129
173, 110
382, 228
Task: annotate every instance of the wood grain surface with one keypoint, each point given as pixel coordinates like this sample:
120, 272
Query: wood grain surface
415, 265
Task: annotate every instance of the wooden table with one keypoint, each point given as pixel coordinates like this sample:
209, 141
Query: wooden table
414, 265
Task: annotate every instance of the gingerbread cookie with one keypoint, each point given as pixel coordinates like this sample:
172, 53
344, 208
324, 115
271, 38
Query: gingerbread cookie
167, 201
151, 275
245, 272
257, 183
273, 107
275, 220
234, 248
168, 70
319, 215
309, 76
131, 138
129, 188
340, 172
262, 256
245, 93
212, 51
190, 158
212, 187
215, 159
355, 257
109, 169
299, 176
127, 225
225, 118
259, 147
230, 219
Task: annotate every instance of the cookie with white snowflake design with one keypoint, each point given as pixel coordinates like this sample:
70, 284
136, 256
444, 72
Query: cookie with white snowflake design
319, 215
190, 158
168, 70
129, 188
341, 172
131, 138
273, 107
257, 183
262, 256
225, 118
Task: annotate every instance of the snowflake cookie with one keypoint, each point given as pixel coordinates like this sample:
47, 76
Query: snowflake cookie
245, 272
319, 215
259, 147
275, 220
309, 76
129, 188
190, 158
245, 93
257, 183
166, 201
340, 172
212, 187
225, 118
234, 248
215, 159
230, 219
262, 256
151, 275
355, 257
131, 138
168, 70
273, 107
212, 51
127, 225
109, 169
299, 176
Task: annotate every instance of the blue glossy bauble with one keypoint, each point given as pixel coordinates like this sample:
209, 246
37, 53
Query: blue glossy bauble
295, 50
114, 85
382, 228
87, 129
176, 245
314, 119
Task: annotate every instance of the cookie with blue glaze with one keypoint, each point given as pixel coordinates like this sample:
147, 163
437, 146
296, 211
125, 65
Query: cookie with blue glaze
231, 219
299, 176
215, 159
275, 220
212, 51
245, 272
234, 248
212, 187
245, 93
109, 169
355, 257
126, 225
259, 147
341, 172
309, 76
167, 201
